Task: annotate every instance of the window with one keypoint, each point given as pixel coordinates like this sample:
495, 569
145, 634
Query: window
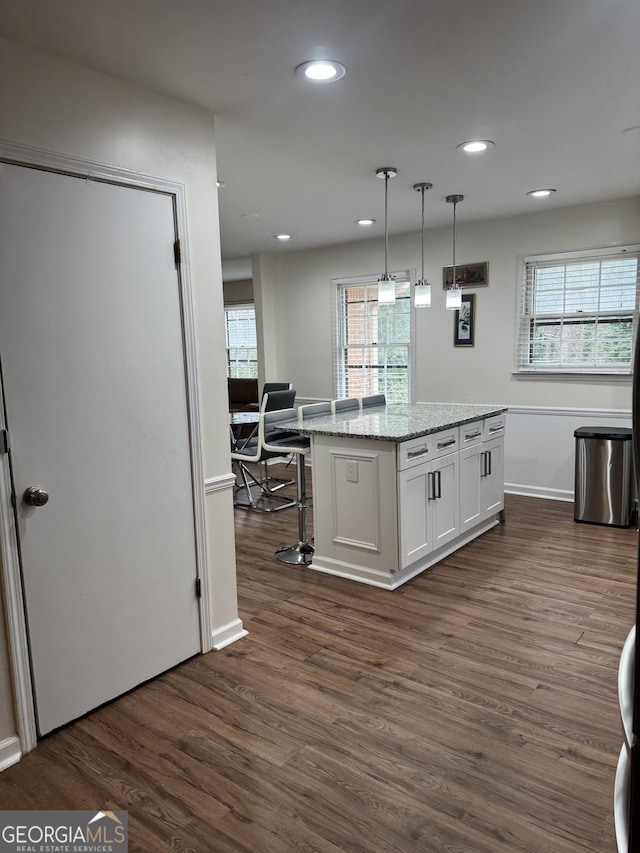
242, 348
372, 341
578, 312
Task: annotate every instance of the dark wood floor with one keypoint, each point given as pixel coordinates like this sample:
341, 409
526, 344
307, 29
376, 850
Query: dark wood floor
474, 709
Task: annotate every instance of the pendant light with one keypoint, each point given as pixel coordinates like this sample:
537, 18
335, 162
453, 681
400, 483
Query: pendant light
386, 283
422, 290
454, 294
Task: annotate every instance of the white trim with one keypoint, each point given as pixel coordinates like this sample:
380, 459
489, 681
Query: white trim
228, 634
383, 580
538, 492
219, 484
16, 629
10, 752
17, 639
564, 411
193, 404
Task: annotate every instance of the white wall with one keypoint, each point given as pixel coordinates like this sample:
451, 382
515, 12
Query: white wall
484, 373
54, 105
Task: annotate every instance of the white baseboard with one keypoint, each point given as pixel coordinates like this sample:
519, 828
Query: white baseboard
538, 492
228, 634
10, 752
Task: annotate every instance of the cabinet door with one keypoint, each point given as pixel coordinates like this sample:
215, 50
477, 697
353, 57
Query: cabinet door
445, 508
492, 479
471, 493
414, 489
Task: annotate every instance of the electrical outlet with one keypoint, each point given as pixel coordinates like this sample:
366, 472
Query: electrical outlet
352, 471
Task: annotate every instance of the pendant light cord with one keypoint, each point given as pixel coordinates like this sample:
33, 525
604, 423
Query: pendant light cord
386, 226
422, 191
454, 283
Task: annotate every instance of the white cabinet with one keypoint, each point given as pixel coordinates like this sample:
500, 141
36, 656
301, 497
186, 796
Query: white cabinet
428, 507
386, 510
482, 475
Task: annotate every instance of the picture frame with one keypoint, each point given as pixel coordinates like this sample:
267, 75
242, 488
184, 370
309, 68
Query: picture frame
464, 322
467, 275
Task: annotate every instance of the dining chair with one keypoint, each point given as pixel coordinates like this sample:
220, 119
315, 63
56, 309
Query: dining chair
254, 451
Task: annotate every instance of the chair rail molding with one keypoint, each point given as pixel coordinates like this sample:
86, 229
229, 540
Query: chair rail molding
540, 447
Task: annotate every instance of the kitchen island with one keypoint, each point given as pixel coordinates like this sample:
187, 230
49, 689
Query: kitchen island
396, 488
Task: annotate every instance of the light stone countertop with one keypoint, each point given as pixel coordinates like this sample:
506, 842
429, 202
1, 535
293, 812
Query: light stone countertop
395, 421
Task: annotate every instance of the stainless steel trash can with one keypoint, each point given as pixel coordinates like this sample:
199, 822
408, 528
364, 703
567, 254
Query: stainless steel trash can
604, 476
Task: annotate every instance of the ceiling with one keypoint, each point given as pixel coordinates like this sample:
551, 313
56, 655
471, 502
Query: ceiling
554, 83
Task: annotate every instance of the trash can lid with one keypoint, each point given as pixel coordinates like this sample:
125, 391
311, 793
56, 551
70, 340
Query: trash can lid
621, 433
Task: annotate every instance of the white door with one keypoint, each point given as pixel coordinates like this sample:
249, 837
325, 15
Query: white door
93, 373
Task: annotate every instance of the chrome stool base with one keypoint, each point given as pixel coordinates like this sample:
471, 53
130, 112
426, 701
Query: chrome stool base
295, 555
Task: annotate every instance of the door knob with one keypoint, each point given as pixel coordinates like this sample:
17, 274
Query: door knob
35, 496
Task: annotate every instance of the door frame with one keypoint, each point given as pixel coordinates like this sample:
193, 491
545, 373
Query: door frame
10, 572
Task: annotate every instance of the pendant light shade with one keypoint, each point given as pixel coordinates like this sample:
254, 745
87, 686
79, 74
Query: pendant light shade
453, 300
422, 291
386, 282
454, 294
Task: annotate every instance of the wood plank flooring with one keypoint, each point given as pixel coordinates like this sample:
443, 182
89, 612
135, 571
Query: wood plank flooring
474, 710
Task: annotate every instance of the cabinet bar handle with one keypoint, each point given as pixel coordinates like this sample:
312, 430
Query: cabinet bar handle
489, 462
483, 463
448, 443
470, 435
496, 428
411, 454
431, 486
439, 495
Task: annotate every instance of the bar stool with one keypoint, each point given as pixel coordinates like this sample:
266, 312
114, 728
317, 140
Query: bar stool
373, 400
279, 442
345, 405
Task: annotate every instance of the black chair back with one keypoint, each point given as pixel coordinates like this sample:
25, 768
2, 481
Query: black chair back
274, 400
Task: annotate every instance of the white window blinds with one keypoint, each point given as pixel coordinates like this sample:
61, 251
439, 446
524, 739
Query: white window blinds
242, 347
578, 312
372, 342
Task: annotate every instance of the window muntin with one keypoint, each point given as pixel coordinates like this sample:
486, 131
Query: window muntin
241, 342
373, 342
578, 313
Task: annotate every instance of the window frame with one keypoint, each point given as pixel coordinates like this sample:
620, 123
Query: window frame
338, 327
240, 306
525, 320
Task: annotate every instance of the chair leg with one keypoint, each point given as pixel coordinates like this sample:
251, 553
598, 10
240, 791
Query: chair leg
302, 553
249, 481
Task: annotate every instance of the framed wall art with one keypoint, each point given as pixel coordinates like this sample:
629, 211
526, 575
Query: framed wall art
467, 275
464, 321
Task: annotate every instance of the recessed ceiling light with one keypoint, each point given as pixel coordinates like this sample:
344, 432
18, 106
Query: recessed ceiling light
541, 193
220, 184
475, 146
321, 71
365, 221
282, 236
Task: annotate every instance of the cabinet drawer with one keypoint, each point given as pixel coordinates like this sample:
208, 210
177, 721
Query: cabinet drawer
494, 427
472, 433
445, 442
414, 452
427, 447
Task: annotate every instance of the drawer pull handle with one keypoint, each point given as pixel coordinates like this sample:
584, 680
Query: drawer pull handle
470, 435
411, 454
448, 443
496, 428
